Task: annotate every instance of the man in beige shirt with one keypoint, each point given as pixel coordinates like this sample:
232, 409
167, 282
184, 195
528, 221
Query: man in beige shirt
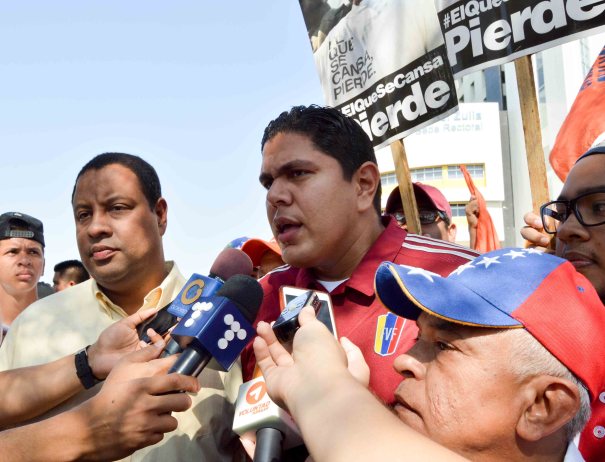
120, 220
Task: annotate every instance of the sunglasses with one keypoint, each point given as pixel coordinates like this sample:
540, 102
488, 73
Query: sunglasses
426, 217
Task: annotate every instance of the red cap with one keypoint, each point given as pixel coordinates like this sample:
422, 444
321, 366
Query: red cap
256, 248
432, 194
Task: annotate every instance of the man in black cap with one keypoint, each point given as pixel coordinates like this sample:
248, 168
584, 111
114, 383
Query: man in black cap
21, 264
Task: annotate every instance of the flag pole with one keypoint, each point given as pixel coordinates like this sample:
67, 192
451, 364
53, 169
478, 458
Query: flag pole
406, 189
532, 132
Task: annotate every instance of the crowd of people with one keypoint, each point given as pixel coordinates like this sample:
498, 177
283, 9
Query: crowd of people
445, 354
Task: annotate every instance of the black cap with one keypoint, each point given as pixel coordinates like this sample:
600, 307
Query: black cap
16, 224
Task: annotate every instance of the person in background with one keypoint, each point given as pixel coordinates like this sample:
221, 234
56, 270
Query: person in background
265, 255
68, 273
44, 289
21, 264
573, 225
434, 211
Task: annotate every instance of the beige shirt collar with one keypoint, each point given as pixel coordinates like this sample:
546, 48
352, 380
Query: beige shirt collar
156, 298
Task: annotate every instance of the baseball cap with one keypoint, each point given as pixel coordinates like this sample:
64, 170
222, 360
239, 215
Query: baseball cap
510, 288
17, 224
236, 243
256, 248
431, 193
598, 149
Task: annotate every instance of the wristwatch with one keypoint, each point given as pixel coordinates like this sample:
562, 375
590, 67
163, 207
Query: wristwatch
83, 369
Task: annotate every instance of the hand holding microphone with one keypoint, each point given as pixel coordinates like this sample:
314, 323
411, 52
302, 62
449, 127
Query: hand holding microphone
228, 263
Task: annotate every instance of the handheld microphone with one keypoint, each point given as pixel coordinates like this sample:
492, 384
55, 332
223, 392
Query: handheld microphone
229, 262
218, 327
258, 418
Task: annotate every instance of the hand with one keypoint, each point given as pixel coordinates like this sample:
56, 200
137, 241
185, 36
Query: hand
533, 232
356, 363
115, 341
315, 359
133, 408
472, 212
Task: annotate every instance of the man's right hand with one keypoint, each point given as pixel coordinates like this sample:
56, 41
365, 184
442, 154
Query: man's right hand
133, 408
114, 342
533, 232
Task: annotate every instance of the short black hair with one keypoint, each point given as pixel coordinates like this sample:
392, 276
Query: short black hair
72, 270
333, 133
145, 173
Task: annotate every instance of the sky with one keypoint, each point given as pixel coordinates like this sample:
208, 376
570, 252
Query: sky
188, 85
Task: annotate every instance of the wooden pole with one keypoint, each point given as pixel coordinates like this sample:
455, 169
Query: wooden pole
405, 187
536, 162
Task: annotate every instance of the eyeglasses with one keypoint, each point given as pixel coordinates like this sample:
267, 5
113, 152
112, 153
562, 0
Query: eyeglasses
588, 208
426, 217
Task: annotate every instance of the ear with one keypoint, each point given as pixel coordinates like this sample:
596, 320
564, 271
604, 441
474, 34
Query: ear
550, 402
71, 283
367, 179
161, 212
451, 233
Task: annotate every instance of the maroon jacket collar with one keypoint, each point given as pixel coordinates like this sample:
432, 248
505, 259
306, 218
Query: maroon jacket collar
385, 248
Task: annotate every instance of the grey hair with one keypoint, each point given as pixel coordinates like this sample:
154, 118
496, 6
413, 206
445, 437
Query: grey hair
531, 359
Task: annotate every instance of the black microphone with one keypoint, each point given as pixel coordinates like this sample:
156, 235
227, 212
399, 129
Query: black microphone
218, 327
227, 264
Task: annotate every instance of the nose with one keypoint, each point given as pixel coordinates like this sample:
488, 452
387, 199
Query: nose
25, 259
278, 194
409, 367
572, 229
98, 225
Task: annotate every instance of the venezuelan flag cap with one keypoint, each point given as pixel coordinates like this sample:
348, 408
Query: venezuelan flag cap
510, 288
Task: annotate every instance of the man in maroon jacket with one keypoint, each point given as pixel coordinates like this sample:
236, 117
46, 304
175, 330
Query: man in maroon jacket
323, 205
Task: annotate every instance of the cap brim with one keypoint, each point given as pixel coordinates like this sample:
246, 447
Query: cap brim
256, 248
407, 291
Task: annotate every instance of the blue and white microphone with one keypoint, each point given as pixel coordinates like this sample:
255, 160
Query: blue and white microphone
218, 327
227, 264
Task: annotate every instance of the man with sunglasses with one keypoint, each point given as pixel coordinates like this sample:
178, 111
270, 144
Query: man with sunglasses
576, 221
434, 212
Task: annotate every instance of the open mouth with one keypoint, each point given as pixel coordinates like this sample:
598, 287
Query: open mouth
286, 229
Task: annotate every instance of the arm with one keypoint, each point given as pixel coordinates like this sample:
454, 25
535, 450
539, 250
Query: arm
34, 390
472, 218
330, 406
131, 411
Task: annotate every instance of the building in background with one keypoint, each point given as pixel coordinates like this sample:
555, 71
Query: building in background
487, 136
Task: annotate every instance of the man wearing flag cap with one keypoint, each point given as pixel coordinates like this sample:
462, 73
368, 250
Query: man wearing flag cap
503, 368
576, 221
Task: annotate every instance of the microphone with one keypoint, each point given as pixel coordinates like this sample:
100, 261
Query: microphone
228, 263
218, 327
258, 418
